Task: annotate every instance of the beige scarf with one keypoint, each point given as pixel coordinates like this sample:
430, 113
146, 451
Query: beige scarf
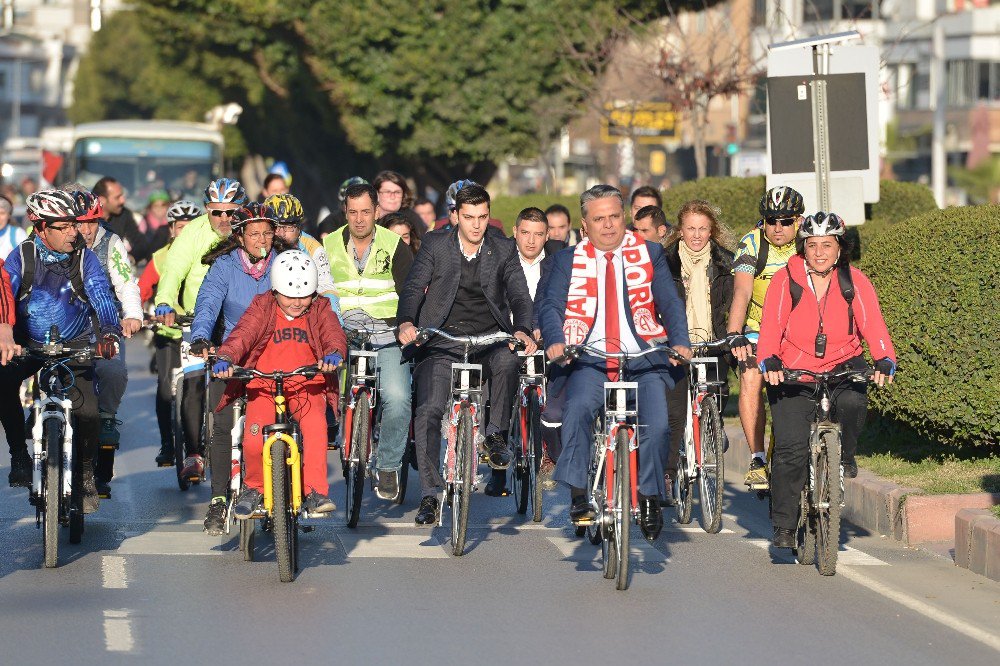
694, 274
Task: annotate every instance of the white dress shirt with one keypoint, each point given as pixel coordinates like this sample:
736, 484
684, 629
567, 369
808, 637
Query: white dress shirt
532, 271
628, 341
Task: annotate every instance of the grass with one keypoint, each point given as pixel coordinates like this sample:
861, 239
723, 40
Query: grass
996, 511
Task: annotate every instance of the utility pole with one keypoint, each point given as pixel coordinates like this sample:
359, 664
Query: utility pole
939, 91
821, 124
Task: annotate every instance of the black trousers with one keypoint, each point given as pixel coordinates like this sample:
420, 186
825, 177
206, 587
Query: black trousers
168, 358
84, 405
432, 386
220, 448
792, 411
677, 407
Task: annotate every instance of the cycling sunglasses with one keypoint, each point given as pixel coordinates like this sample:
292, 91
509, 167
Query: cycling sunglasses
220, 213
785, 221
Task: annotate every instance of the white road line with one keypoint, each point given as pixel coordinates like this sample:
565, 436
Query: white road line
118, 631
409, 546
113, 571
846, 556
928, 611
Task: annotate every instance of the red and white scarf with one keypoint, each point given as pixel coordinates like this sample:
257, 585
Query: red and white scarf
581, 302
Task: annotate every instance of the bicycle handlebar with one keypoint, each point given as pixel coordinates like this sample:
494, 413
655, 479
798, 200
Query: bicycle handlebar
149, 322
361, 338
58, 351
711, 346
862, 375
425, 334
573, 352
246, 374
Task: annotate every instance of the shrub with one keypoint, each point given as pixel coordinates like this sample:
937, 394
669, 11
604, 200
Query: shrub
506, 208
737, 197
936, 277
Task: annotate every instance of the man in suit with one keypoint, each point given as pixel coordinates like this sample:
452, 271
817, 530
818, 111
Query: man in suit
613, 291
466, 282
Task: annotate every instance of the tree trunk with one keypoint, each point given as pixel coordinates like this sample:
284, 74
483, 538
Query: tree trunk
698, 122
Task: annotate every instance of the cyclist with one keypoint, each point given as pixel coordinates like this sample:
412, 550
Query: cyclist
837, 308
448, 223
167, 339
112, 375
466, 281
702, 269
337, 219
573, 309
284, 329
395, 197
369, 265
239, 270
58, 283
11, 235
760, 254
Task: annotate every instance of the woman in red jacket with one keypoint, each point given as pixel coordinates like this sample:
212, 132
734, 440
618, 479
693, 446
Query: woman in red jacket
285, 329
820, 333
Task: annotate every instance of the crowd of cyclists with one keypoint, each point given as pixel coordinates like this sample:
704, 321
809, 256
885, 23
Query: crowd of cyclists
257, 291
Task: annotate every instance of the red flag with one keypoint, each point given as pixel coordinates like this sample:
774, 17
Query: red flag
51, 163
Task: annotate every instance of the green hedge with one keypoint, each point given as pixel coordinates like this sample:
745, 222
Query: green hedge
507, 208
737, 197
936, 276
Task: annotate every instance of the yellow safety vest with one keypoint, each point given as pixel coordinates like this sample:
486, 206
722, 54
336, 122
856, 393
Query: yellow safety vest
373, 290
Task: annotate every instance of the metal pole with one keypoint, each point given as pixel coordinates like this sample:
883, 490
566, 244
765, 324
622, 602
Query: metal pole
15, 115
939, 98
821, 127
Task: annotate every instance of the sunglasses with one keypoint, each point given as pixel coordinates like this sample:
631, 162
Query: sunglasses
220, 213
785, 221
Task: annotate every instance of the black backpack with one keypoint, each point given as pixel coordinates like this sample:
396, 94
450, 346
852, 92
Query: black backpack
28, 273
846, 289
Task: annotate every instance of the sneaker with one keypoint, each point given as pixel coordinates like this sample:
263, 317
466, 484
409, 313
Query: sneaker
91, 499
194, 467
783, 538
316, 503
109, 436
756, 476
103, 489
546, 469
247, 503
20, 470
165, 458
388, 484
215, 517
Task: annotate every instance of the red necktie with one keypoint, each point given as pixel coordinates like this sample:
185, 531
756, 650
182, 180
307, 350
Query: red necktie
612, 334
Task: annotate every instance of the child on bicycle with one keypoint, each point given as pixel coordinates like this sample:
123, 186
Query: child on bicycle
284, 329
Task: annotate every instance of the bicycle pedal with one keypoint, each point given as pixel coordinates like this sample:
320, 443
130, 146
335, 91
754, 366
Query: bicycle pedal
315, 516
109, 447
332, 446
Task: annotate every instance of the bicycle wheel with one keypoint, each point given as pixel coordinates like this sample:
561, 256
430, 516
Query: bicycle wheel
520, 487
177, 421
247, 538
828, 496
51, 491
76, 507
682, 491
594, 531
281, 512
360, 433
609, 542
534, 455
465, 469
711, 476
622, 508
805, 535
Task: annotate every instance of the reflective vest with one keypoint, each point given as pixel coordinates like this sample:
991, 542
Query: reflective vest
373, 290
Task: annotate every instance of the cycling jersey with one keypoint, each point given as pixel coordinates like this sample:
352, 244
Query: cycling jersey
10, 237
746, 262
110, 250
182, 268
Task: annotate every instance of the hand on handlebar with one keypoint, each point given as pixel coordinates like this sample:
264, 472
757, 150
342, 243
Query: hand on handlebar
683, 351
773, 370
885, 369
740, 346
107, 347
165, 314
330, 362
530, 347
553, 352
130, 327
202, 347
223, 368
8, 348
406, 334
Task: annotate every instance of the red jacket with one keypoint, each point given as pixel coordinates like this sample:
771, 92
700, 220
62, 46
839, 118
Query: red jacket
791, 334
8, 307
249, 337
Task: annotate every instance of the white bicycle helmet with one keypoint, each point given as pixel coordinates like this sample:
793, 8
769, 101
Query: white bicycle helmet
822, 224
294, 274
183, 210
52, 205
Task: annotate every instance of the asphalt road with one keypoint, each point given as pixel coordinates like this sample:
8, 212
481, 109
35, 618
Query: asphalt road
148, 586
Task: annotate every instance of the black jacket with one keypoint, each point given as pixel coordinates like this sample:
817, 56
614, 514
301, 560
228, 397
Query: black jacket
429, 292
124, 225
720, 276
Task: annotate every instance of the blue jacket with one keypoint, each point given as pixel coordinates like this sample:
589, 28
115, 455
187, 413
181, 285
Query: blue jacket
553, 289
227, 289
52, 301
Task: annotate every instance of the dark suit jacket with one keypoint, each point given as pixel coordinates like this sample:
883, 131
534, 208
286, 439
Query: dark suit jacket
430, 289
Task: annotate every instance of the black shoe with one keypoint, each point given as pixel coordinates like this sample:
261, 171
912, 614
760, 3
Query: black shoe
104, 489
668, 482
581, 511
215, 517
496, 450
650, 517
20, 470
783, 538
427, 512
316, 503
165, 458
388, 484
91, 499
497, 485
850, 470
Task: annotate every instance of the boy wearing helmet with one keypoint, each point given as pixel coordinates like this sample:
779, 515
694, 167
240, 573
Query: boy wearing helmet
283, 329
761, 253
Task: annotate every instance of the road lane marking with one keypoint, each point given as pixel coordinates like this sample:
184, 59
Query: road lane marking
118, 631
174, 543
113, 572
408, 546
581, 550
846, 556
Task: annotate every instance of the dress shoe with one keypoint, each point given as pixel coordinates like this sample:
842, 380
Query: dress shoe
783, 538
427, 512
650, 517
497, 485
581, 512
496, 450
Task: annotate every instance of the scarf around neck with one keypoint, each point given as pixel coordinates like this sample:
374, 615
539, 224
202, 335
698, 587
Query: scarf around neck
694, 274
581, 301
255, 270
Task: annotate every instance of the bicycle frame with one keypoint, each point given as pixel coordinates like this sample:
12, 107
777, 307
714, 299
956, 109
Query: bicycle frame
54, 406
294, 455
532, 381
467, 393
362, 376
699, 389
618, 414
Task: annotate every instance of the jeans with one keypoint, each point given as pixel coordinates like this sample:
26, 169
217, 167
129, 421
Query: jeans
395, 395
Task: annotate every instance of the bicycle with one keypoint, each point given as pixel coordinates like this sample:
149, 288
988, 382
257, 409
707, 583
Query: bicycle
702, 458
526, 435
55, 492
613, 479
282, 507
460, 460
817, 537
361, 409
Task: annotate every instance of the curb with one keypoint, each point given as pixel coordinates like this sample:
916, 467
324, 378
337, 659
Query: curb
977, 542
